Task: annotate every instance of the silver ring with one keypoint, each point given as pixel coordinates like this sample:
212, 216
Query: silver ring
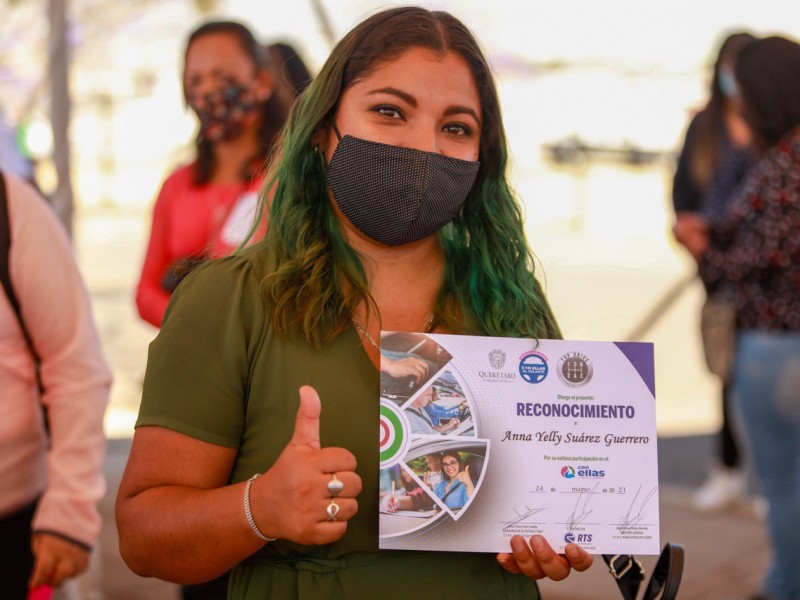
335, 486
332, 510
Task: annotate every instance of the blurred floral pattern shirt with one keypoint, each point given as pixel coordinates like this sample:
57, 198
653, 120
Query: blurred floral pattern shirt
753, 258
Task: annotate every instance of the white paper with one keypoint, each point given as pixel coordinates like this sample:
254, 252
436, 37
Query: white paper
556, 438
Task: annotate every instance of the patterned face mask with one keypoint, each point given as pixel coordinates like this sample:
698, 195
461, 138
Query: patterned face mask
223, 111
397, 195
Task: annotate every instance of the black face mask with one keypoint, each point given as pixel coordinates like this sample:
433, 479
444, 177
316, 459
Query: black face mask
397, 195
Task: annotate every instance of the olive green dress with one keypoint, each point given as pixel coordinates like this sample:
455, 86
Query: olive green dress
217, 372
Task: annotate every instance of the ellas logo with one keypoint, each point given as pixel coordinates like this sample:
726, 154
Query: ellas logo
583, 472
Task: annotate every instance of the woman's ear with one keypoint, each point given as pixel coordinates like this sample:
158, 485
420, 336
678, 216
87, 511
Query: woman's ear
320, 138
265, 80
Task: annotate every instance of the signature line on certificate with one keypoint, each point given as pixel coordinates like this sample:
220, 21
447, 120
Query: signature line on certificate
628, 520
529, 512
582, 510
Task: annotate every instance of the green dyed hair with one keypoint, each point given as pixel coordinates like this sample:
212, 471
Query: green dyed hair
489, 286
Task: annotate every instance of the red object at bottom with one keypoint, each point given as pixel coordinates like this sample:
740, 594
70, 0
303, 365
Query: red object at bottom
43, 592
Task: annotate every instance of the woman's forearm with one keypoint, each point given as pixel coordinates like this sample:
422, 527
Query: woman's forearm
184, 534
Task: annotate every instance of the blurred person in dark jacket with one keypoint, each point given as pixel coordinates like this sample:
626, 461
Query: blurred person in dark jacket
713, 162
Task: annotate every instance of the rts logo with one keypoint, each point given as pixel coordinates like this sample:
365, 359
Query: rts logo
567, 473
571, 538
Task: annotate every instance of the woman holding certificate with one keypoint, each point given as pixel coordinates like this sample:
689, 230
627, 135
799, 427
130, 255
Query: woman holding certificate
391, 211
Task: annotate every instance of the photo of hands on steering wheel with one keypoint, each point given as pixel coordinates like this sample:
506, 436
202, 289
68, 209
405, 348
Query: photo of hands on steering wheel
441, 409
408, 362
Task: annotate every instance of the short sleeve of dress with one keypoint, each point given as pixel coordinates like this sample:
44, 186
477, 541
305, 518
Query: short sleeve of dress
198, 367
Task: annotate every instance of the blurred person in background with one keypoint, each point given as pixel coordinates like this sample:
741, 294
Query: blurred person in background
206, 209
290, 70
51, 364
233, 458
713, 162
11, 157
754, 254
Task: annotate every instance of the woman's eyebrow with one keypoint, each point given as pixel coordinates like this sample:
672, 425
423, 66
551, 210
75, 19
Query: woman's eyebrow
408, 98
460, 110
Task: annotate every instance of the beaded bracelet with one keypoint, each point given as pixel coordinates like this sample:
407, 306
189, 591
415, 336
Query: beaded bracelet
249, 514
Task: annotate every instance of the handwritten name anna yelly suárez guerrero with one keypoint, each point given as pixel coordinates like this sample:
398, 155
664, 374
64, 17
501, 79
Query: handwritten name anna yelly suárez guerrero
555, 437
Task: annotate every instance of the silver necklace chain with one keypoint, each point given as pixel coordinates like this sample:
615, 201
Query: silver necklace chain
371, 340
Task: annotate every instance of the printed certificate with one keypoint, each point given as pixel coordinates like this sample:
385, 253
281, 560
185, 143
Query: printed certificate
485, 438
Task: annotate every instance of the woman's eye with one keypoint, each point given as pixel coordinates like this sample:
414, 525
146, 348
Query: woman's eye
390, 112
458, 129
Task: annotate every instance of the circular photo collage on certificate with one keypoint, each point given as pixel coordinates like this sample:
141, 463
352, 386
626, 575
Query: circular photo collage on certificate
432, 459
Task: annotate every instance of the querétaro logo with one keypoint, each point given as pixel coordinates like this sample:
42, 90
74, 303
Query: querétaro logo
533, 367
567, 472
497, 358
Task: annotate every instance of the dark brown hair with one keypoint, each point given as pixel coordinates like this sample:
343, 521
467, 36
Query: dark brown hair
711, 121
291, 74
385, 36
768, 74
289, 67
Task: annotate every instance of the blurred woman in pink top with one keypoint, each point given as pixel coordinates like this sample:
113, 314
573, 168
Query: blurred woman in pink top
50, 479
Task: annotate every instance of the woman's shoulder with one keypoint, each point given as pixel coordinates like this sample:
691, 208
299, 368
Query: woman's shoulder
780, 161
231, 281
696, 123
181, 175
789, 146
175, 186
253, 263
261, 257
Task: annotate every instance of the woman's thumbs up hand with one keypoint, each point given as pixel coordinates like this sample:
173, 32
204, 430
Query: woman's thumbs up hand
292, 500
